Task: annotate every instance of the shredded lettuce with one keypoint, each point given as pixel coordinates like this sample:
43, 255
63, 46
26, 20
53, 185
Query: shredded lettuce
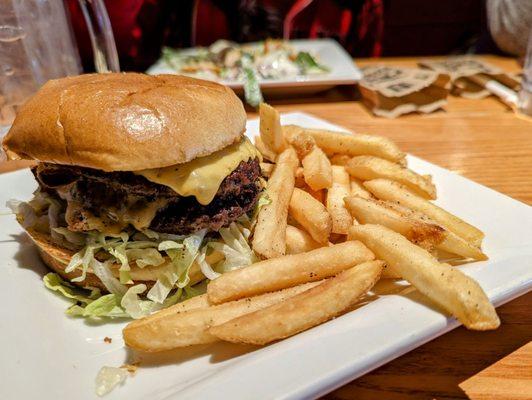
72, 237
108, 378
54, 282
169, 245
308, 64
103, 272
205, 267
252, 91
145, 257
181, 260
100, 254
106, 306
132, 304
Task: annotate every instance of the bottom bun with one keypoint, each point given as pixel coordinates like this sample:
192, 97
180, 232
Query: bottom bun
57, 259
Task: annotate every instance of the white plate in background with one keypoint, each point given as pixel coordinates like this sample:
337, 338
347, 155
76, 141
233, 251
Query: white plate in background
343, 70
47, 355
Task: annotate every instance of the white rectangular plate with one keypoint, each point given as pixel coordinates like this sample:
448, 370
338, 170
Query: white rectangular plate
47, 355
343, 70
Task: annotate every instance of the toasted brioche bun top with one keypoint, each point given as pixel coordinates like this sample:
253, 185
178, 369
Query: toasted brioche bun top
125, 121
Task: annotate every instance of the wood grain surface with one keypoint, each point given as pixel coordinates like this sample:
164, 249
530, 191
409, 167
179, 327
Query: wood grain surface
486, 142
508, 379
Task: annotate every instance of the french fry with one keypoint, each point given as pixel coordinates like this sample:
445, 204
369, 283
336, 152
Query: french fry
450, 243
316, 166
317, 169
317, 194
449, 287
389, 273
311, 215
368, 168
392, 191
194, 303
340, 159
290, 131
269, 237
341, 218
351, 144
282, 272
172, 328
300, 178
369, 211
422, 231
303, 311
357, 189
266, 169
299, 241
302, 143
270, 128
266, 152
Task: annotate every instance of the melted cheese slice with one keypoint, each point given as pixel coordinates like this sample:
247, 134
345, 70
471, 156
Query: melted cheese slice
202, 176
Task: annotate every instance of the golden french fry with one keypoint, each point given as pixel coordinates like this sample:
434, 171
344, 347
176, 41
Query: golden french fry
282, 272
449, 287
370, 211
269, 237
302, 143
173, 327
453, 243
367, 168
316, 166
341, 218
351, 144
422, 231
311, 215
194, 303
270, 128
300, 178
303, 311
291, 131
390, 273
317, 194
299, 241
449, 243
266, 169
357, 189
392, 191
340, 159
266, 152
317, 169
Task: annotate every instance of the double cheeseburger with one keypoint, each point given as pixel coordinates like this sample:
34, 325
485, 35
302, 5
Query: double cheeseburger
134, 153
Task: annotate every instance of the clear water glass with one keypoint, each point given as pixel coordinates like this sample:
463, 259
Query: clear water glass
37, 44
525, 95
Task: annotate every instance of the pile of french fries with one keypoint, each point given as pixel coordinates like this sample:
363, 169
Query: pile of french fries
344, 212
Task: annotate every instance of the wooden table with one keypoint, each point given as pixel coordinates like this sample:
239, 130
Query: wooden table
486, 142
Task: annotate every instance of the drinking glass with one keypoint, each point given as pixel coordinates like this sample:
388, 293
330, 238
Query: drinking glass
37, 44
525, 95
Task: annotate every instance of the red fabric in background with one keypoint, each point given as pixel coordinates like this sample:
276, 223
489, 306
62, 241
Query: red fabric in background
360, 33
123, 15
363, 27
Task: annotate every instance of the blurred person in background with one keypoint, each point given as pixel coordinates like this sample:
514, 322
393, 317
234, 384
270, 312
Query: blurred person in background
510, 22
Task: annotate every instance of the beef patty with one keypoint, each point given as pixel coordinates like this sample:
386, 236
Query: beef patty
93, 193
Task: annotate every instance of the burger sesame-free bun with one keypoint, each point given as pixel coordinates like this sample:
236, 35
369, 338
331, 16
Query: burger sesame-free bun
126, 121
57, 259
